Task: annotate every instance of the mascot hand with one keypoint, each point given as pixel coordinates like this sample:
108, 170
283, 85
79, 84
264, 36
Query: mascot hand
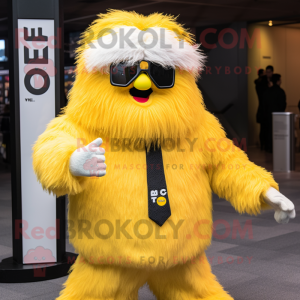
88, 161
284, 208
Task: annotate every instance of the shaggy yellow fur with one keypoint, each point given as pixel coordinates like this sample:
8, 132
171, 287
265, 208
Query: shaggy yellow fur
118, 262
115, 18
191, 281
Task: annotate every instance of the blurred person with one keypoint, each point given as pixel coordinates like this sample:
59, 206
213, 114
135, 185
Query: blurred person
269, 74
261, 85
274, 100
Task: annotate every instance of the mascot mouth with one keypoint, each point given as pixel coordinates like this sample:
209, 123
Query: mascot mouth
140, 96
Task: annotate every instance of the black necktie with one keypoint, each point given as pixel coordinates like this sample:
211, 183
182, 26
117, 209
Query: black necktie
158, 202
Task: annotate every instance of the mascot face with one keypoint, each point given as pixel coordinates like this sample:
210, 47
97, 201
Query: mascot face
136, 78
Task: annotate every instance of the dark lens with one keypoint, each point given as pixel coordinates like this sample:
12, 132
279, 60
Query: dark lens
163, 77
122, 73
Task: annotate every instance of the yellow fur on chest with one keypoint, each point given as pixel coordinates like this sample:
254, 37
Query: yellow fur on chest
120, 198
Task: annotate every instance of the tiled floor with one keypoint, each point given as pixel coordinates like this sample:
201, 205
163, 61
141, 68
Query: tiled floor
265, 266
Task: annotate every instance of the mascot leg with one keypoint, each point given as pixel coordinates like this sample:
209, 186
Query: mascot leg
102, 282
190, 281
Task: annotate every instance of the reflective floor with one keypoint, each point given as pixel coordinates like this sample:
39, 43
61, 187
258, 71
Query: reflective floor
263, 265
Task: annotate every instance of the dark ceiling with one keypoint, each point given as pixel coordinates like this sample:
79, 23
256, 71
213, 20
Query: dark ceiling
79, 14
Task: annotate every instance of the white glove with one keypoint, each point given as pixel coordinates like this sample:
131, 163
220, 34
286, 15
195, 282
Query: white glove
284, 208
88, 161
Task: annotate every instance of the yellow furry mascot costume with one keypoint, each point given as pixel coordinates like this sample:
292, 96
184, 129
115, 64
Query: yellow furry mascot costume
120, 247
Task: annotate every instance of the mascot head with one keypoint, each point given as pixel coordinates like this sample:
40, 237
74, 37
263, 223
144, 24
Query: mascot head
136, 78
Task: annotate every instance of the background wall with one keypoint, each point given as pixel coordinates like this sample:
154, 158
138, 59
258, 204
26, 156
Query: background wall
223, 82
279, 47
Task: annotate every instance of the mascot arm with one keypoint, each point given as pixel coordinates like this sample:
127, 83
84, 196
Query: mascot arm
51, 156
247, 186
240, 181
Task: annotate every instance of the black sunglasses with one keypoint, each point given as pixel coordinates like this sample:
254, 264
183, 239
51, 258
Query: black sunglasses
123, 74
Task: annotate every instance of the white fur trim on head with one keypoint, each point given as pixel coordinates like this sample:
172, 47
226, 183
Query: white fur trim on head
129, 44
